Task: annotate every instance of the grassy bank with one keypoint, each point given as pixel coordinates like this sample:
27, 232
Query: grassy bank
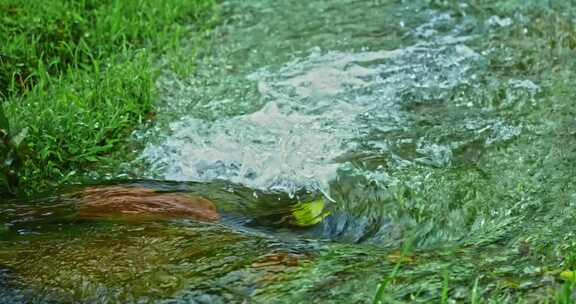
78, 76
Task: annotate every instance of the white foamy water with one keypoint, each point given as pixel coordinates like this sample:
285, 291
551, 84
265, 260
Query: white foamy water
315, 109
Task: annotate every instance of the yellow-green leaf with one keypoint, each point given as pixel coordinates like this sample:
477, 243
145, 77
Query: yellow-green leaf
309, 213
568, 275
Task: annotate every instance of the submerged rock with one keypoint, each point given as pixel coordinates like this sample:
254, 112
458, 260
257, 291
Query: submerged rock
116, 262
139, 203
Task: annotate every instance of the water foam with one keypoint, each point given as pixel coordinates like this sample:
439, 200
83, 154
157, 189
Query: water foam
315, 109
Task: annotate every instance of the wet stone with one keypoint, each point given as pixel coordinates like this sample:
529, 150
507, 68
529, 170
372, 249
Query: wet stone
139, 203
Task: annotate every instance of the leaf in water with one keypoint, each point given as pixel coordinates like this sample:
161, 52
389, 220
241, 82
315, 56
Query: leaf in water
309, 213
568, 275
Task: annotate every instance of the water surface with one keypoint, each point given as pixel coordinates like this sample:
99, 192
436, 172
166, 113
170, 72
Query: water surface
445, 125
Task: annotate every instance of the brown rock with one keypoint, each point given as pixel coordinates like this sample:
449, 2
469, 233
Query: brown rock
138, 203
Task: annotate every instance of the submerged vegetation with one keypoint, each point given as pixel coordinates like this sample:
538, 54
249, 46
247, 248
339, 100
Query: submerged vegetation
462, 191
79, 77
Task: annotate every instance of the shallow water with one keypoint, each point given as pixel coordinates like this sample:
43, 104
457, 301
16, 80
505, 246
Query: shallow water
444, 125
340, 110
310, 115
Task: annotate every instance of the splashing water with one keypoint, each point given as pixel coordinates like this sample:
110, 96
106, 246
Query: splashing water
315, 110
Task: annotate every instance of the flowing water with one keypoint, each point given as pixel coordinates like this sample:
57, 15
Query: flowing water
445, 125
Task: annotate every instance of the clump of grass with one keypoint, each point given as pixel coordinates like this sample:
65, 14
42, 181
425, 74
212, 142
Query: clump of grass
53, 36
80, 120
79, 75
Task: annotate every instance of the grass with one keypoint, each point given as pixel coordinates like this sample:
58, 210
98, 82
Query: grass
381, 296
79, 77
445, 288
563, 294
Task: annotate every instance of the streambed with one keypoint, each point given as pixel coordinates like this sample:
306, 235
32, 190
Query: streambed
445, 125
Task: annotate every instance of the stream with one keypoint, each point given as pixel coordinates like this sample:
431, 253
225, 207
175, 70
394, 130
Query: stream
444, 126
